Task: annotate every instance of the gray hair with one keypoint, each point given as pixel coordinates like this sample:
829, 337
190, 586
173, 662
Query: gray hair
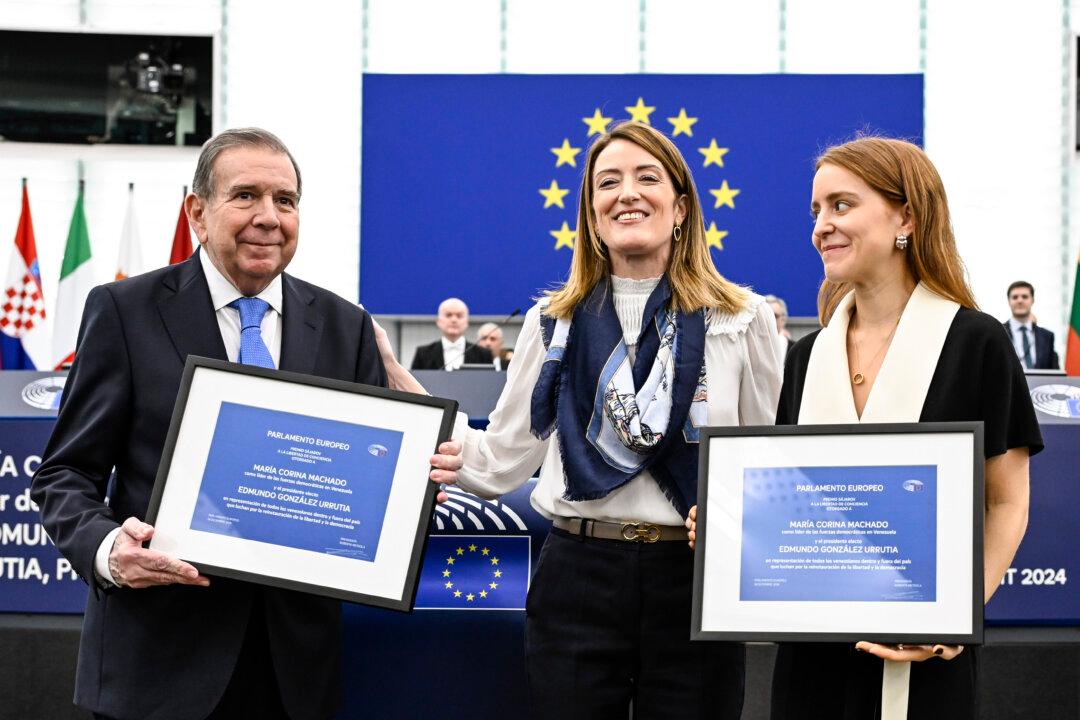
778, 301
203, 182
487, 328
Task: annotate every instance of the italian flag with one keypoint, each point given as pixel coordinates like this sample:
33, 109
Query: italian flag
1072, 347
76, 280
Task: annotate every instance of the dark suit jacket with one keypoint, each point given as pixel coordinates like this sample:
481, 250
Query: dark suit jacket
168, 652
430, 357
1046, 358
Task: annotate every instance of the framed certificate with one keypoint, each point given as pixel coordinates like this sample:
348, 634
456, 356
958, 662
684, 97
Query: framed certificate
840, 533
299, 482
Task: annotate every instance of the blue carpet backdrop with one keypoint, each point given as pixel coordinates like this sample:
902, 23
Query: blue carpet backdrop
470, 182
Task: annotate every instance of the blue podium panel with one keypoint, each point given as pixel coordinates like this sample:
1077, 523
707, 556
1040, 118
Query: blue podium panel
467, 657
1043, 585
33, 576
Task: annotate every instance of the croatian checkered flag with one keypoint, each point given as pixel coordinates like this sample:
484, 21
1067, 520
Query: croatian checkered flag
24, 341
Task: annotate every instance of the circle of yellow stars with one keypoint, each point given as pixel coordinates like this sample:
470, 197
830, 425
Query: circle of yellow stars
458, 592
597, 124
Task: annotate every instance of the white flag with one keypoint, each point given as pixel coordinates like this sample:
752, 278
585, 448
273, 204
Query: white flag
130, 261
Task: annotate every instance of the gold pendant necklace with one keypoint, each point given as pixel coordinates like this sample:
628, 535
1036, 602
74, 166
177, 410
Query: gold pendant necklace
857, 378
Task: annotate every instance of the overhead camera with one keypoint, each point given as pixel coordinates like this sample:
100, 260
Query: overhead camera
149, 99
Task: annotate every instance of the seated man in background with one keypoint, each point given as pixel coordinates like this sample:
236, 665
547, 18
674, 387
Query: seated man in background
1034, 345
490, 336
783, 336
451, 351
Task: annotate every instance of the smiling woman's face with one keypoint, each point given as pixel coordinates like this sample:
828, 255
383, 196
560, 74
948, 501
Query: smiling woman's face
855, 227
634, 204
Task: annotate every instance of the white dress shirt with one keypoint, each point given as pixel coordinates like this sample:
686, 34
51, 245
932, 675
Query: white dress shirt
743, 386
453, 353
222, 292
1018, 338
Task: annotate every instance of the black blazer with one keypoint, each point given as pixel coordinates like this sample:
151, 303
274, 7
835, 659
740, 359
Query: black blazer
168, 652
1045, 356
430, 357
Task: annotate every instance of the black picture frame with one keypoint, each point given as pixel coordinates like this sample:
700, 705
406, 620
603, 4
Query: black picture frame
754, 629
288, 573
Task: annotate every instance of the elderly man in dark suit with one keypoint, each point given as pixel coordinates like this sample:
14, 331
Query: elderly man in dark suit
450, 351
1034, 345
159, 639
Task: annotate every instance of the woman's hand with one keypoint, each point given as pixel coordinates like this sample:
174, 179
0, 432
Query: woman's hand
397, 376
382, 340
445, 465
910, 653
691, 525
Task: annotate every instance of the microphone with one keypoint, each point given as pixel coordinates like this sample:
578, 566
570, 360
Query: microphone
508, 318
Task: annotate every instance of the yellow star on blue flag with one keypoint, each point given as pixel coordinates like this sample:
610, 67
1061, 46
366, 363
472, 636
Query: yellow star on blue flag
681, 124
714, 154
564, 236
640, 112
597, 123
565, 154
553, 195
725, 195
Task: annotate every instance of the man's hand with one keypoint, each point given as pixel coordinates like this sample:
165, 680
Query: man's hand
445, 466
134, 566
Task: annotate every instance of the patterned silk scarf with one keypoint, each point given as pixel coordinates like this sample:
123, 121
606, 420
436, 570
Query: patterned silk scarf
614, 416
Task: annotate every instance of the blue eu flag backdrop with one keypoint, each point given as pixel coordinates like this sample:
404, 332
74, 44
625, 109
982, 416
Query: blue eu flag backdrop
470, 182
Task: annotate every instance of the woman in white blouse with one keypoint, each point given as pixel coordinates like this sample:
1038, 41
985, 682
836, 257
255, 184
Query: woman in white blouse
612, 375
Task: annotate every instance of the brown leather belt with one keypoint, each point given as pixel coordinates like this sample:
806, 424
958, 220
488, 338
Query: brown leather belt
627, 531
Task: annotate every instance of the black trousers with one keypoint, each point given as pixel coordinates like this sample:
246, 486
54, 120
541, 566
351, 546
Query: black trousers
607, 628
252, 692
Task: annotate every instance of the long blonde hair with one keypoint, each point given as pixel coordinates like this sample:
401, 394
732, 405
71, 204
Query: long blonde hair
902, 173
695, 282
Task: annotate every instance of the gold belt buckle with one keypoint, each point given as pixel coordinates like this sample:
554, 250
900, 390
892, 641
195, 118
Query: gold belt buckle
641, 532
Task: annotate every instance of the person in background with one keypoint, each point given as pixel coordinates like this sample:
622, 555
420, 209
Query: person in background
490, 336
783, 335
451, 351
613, 374
1034, 345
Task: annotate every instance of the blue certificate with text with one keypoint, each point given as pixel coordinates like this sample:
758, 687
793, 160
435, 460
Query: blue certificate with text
856, 533
297, 481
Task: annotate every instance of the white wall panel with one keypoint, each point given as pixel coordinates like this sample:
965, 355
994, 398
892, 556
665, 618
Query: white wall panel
39, 14
853, 36
571, 36
993, 128
300, 79
712, 36
168, 17
433, 36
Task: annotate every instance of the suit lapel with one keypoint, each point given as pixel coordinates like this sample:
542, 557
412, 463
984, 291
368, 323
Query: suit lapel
301, 327
188, 314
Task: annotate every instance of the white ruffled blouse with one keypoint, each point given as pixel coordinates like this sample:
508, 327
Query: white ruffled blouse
744, 380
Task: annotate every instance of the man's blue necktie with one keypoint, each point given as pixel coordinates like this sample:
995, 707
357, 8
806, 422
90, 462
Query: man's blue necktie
253, 350
1026, 345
